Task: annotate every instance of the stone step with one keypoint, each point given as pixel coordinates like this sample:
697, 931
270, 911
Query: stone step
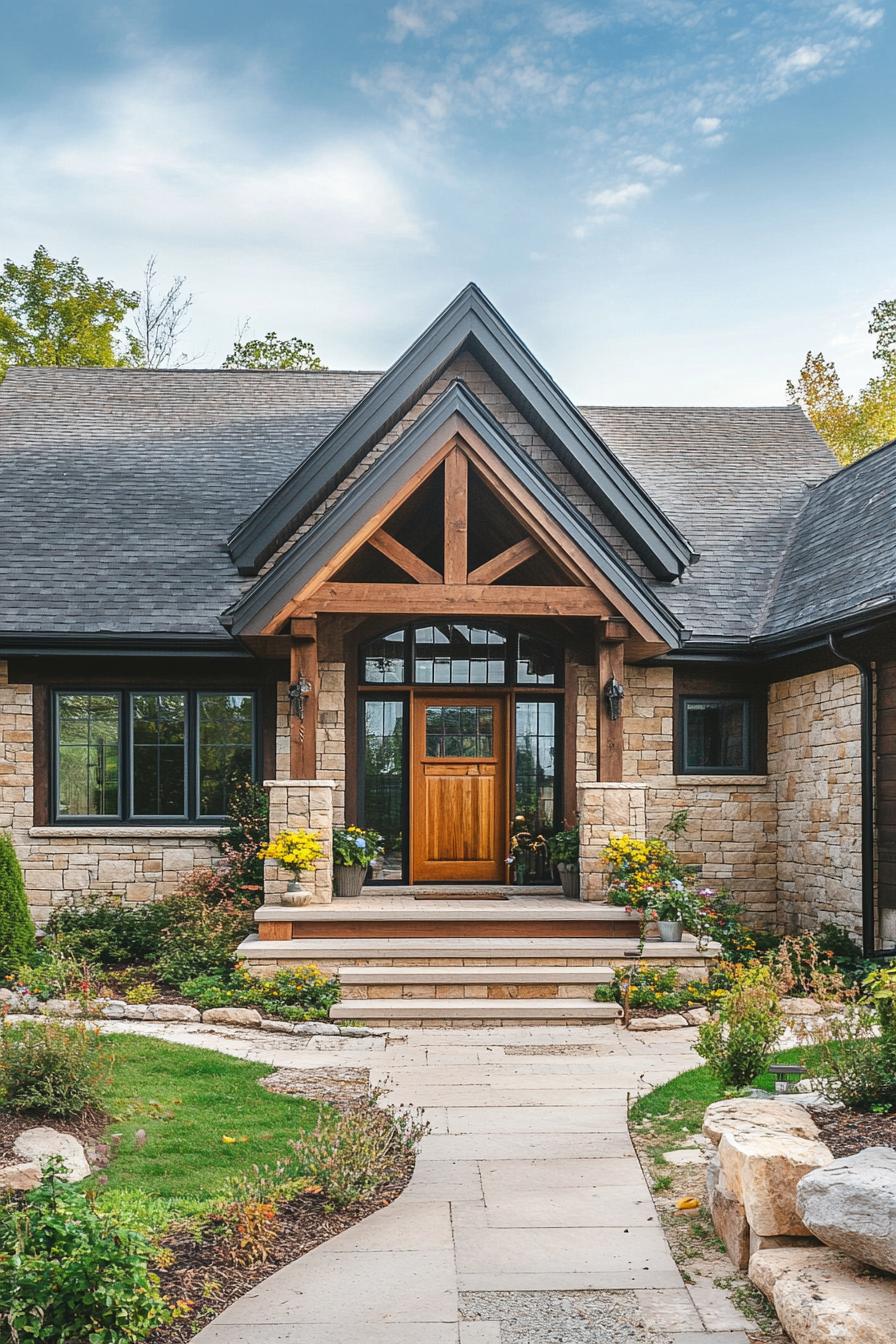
333, 954
546, 919
471, 982
474, 1012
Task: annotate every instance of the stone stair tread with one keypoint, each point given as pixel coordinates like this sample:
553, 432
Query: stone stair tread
504, 912
475, 975
449, 949
415, 1009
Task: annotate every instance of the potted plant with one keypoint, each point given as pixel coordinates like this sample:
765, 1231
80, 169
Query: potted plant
354, 850
674, 909
524, 850
298, 851
563, 847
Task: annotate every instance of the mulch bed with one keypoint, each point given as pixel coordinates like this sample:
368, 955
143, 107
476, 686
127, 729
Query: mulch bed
847, 1132
212, 1273
88, 1128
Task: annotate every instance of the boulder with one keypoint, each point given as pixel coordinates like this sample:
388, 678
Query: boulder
851, 1204
316, 1029
797, 1007
40, 1144
172, 1012
758, 1243
61, 1008
741, 1114
233, 1017
831, 1299
664, 1023
696, 1017
728, 1217
136, 1012
20, 1176
762, 1169
767, 1267
114, 1008
276, 1025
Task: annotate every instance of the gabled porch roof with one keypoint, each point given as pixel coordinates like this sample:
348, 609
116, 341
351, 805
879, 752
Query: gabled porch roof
471, 323
357, 513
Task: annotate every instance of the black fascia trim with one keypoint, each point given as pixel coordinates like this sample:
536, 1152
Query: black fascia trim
75, 645
366, 496
469, 318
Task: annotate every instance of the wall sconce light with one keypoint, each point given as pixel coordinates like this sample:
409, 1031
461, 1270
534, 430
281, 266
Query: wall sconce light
614, 695
299, 692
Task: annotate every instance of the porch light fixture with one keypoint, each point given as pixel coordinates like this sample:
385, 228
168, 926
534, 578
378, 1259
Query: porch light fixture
614, 694
299, 692
786, 1076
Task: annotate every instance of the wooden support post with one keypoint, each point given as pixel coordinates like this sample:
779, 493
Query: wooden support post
303, 672
455, 567
609, 660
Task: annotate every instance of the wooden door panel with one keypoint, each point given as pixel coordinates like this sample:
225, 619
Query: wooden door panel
458, 807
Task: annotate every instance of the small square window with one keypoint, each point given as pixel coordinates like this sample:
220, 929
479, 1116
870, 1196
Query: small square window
715, 735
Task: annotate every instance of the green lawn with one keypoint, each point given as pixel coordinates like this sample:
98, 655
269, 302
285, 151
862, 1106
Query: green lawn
188, 1101
677, 1106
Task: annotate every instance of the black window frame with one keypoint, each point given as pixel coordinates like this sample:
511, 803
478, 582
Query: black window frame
126, 815
747, 720
512, 634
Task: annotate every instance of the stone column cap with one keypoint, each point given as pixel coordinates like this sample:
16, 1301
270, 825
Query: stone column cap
305, 783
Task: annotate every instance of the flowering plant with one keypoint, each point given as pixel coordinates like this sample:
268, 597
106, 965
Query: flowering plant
354, 847
642, 872
296, 850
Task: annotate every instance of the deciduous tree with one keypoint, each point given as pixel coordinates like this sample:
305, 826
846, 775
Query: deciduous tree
272, 352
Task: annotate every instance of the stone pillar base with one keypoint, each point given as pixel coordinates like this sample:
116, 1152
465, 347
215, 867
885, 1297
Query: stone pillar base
301, 805
606, 810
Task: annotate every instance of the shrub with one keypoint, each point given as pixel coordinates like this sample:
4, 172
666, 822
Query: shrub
348, 1156
820, 964
302, 993
738, 1045
880, 988
199, 937
241, 845
55, 975
852, 1064
720, 918
17, 944
563, 846
107, 932
58, 1070
70, 1274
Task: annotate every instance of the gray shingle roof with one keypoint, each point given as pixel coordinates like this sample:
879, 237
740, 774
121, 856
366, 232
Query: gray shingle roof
118, 489
841, 558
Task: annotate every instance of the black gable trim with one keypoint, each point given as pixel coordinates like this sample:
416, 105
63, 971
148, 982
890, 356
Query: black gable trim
470, 321
365, 497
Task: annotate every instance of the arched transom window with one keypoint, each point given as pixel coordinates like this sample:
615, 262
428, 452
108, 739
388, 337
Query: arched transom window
457, 653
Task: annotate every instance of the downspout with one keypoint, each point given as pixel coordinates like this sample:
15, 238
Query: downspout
867, 739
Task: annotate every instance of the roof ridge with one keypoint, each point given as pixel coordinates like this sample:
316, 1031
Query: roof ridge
859, 461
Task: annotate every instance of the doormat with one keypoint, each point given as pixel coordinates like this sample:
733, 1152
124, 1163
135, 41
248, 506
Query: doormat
459, 896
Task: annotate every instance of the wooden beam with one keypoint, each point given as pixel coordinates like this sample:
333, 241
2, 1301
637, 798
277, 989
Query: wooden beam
456, 481
303, 731
456, 599
610, 664
418, 569
504, 562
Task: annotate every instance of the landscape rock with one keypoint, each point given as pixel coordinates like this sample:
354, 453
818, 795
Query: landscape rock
114, 1008
11, 1001
762, 1169
39, 1144
354, 1031
20, 1176
61, 1008
697, 1017
233, 1017
758, 1243
276, 1025
744, 1114
172, 1012
316, 1029
665, 1023
136, 1012
797, 1007
728, 1217
832, 1299
851, 1204
768, 1267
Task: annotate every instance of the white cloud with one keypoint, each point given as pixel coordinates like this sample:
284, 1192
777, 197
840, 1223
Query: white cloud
707, 125
569, 22
653, 166
862, 18
804, 58
611, 199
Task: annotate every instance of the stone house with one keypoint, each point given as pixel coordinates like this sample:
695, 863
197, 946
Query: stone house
433, 600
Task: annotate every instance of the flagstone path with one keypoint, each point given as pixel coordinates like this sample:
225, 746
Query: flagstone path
528, 1219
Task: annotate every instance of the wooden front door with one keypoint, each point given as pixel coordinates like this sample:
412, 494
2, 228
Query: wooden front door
458, 789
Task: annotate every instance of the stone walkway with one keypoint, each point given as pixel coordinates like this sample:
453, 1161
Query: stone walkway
528, 1219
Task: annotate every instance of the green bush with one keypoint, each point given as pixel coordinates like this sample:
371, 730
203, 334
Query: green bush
563, 846
349, 1155
107, 932
53, 974
57, 1070
301, 993
199, 937
657, 987
738, 1045
17, 943
69, 1274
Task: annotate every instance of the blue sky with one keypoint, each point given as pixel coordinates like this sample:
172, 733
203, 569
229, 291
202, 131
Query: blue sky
671, 200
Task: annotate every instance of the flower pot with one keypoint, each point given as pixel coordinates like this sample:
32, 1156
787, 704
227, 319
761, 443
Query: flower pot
348, 879
296, 894
670, 930
569, 880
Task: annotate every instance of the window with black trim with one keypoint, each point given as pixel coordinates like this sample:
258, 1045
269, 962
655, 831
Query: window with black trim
715, 735
151, 756
458, 653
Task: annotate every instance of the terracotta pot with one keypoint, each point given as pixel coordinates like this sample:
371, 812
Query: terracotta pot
348, 879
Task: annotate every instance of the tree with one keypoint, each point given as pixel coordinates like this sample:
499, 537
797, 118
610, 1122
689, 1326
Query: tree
51, 312
16, 929
159, 321
852, 426
272, 352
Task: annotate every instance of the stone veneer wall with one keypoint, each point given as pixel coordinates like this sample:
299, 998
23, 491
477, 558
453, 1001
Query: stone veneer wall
814, 758
301, 804
63, 863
